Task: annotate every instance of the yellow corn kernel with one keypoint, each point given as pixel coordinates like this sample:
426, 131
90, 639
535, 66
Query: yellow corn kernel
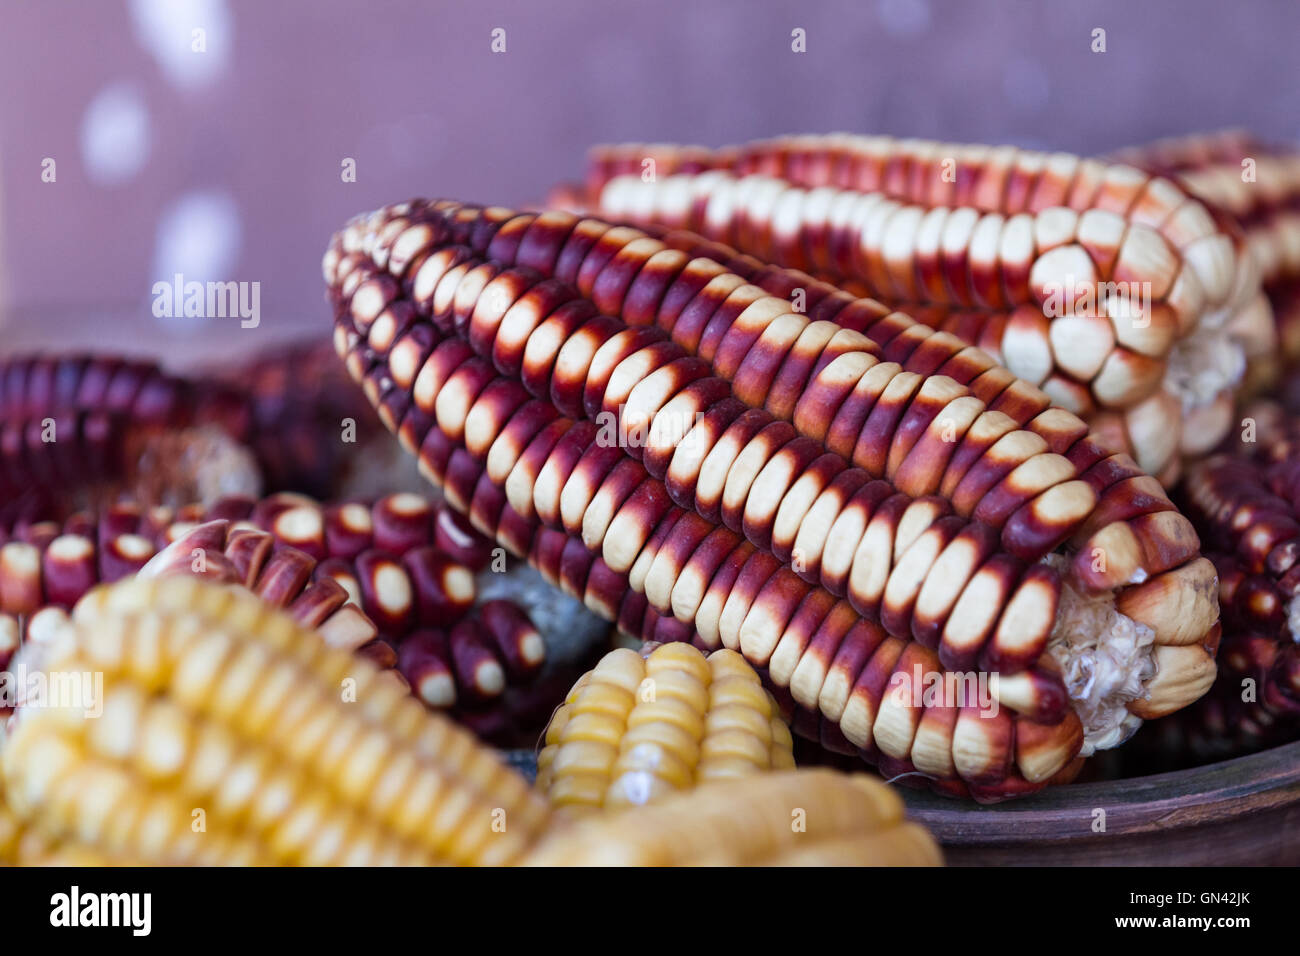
228, 734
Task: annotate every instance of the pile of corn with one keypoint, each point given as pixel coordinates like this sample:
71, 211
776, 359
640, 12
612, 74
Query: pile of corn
195, 724
828, 422
698, 459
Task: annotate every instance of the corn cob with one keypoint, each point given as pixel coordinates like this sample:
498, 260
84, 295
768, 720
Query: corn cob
1245, 503
213, 701
89, 457
1211, 168
1108, 288
1255, 188
702, 323
641, 726
94, 426
393, 581
312, 431
514, 464
34, 386
791, 818
281, 421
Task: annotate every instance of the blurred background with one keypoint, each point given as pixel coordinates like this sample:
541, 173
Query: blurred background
209, 137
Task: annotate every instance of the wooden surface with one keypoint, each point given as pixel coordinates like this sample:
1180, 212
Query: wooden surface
1240, 812
1243, 812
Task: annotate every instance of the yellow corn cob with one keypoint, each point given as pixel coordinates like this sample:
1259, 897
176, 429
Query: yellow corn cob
29, 848
636, 729
226, 733
795, 818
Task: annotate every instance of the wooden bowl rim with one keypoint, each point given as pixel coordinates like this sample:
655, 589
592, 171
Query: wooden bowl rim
1216, 793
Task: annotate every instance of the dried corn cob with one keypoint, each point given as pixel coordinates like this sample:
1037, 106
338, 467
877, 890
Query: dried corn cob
1255, 188
90, 457
1108, 288
490, 442
393, 581
987, 181
288, 418
1235, 174
794, 818
811, 374
97, 425
34, 386
311, 429
294, 752
641, 726
1246, 506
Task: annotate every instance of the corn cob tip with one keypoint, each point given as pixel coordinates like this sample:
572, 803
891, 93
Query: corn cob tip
646, 723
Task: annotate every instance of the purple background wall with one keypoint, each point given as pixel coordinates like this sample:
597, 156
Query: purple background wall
226, 163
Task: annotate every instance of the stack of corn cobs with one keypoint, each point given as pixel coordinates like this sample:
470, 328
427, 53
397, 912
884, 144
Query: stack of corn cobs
868, 440
709, 446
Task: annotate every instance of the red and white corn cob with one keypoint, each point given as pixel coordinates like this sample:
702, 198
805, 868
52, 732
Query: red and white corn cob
1105, 286
85, 428
309, 426
1255, 188
465, 329
393, 581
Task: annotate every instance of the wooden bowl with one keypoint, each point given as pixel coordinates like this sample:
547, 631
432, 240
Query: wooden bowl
1243, 812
